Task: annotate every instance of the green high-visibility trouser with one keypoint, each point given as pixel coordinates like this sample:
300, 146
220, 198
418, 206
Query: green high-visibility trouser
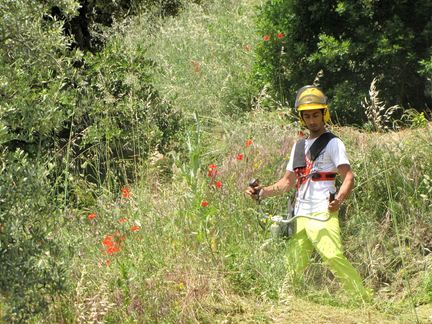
325, 238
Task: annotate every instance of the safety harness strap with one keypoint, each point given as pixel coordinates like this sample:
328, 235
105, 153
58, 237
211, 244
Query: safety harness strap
320, 143
323, 176
302, 170
299, 155
313, 152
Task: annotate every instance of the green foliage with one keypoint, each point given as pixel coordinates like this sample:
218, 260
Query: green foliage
204, 61
75, 104
413, 119
89, 28
35, 66
123, 115
68, 121
31, 261
198, 257
352, 42
182, 244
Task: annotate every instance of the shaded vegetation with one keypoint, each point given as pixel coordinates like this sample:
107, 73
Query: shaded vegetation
111, 114
352, 42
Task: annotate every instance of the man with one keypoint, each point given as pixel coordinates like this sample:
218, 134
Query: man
314, 180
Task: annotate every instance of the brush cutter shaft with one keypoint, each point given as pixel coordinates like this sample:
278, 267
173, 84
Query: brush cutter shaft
283, 219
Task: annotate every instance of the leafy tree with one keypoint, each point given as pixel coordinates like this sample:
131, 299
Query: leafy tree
352, 42
67, 117
93, 15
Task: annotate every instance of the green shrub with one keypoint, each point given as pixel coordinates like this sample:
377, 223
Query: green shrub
123, 120
301, 38
31, 260
69, 121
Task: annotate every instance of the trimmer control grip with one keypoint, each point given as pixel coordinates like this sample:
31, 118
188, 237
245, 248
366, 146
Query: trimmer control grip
254, 183
332, 196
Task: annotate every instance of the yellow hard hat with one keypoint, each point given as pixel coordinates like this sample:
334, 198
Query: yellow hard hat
309, 98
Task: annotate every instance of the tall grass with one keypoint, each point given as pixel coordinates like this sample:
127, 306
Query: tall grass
177, 247
205, 56
193, 263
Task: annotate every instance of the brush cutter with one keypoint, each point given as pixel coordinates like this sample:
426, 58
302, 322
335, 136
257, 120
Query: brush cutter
283, 226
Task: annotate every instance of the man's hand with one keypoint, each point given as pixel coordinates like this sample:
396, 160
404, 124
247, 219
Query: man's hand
347, 175
334, 205
253, 192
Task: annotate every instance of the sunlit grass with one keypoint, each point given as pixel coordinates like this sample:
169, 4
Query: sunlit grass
182, 243
188, 259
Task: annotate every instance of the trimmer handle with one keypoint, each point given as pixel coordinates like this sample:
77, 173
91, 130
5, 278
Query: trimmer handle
332, 196
254, 183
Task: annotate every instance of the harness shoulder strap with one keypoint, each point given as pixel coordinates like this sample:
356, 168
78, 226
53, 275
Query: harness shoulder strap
320, 143
299, 154
314, 151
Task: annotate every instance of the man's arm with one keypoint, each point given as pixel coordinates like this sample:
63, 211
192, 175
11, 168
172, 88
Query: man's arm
347, 185
284, 184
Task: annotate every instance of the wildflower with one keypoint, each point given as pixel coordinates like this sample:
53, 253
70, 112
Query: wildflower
125, 192
248, 143
280, 35
266, 38
91, 216
122, 220
218, 184
212, 170
135, 228
181, 286
301, 134
239, 157
108, 262
108, 241
113, 249
212, 167
204, 203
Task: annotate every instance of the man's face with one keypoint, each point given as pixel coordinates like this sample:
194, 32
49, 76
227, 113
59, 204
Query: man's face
313, 119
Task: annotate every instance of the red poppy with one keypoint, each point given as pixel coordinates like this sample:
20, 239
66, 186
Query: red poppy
239, 157
108, 262
301, 134
212, 170
280, 35
108, 240
248, 143
125, 192
204, 203
91, 216
122, 220
135, 228
212, 173
266, 38
113, 249
218, 184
